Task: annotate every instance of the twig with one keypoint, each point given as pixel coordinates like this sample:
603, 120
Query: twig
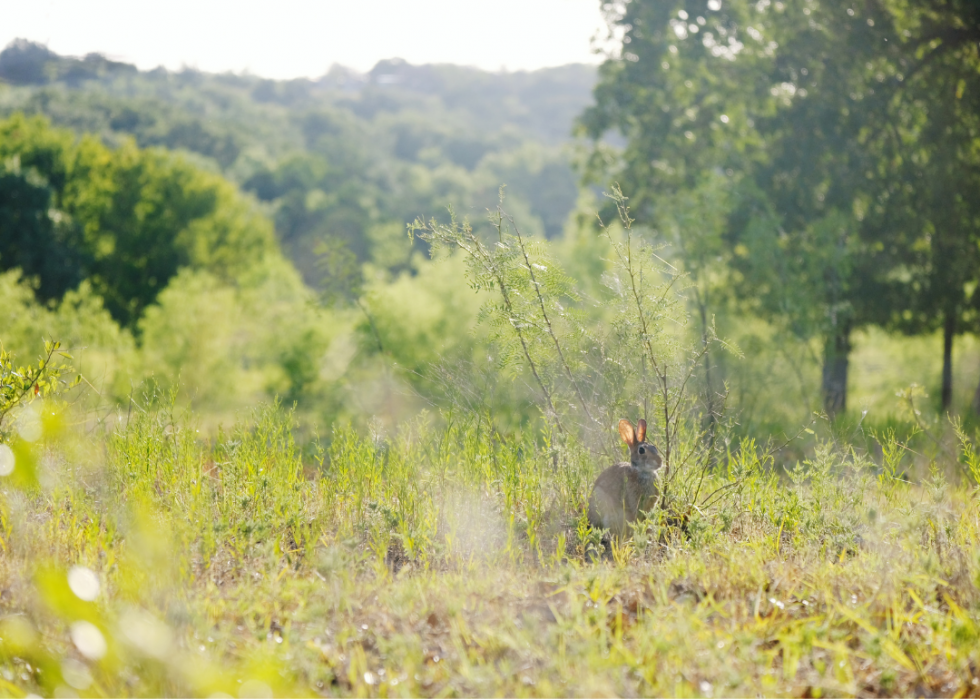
544, 315
464, 238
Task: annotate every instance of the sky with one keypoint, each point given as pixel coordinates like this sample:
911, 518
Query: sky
303, 38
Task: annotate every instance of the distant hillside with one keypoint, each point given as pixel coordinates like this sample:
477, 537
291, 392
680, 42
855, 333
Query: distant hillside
344, 160
542, 103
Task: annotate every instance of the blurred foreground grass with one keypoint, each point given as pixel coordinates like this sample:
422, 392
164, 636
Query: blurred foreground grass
140, 559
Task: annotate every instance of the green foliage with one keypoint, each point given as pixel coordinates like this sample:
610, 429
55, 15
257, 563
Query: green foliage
176, 254
847, 142
139, 216
27, 63
335, 160
422, 317
528, 313
41, 245
22, 384
225, 347
589, 370
102, 351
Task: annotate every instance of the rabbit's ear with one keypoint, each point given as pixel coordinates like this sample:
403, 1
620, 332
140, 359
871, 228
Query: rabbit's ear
626, 432
641, 431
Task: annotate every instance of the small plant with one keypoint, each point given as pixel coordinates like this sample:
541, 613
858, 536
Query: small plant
968, 452
594, 361
22, 384
531, 319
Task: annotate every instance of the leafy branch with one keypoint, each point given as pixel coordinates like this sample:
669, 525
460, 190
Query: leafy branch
544, 313
19, 384
489, 269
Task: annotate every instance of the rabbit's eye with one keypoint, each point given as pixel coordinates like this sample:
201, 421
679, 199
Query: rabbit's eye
642, 450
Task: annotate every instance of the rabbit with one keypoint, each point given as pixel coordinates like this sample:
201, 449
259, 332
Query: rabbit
622, 491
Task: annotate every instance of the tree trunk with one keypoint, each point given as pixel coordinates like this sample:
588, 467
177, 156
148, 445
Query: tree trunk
976, 401
835, 359
949, 329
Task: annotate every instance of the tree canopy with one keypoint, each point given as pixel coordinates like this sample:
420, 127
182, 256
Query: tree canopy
126, 219
849, 134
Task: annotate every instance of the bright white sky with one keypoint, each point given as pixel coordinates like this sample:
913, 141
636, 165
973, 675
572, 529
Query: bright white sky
303, 38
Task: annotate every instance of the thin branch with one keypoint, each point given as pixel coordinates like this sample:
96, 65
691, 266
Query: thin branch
480, 253
34, 375
544, 315
374, 329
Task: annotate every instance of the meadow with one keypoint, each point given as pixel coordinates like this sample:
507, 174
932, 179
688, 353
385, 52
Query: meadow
142, 559
154, 546
170, 542
152, 549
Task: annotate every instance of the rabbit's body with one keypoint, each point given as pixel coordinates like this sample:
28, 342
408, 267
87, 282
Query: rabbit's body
622, 491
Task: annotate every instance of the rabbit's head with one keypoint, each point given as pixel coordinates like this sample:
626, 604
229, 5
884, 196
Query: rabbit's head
643, 455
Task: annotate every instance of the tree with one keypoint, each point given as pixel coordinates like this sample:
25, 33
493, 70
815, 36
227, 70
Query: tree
823, 114
700, 88
323, 215
34, 237
126, 219
890, 126
932, 137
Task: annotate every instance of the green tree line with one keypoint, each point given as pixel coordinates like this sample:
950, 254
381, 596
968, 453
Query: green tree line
838, 143
340, 163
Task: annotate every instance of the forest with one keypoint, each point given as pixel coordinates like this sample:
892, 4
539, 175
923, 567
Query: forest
314, 180
306, 383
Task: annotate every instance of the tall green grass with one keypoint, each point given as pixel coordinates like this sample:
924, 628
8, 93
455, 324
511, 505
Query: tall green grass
450, 559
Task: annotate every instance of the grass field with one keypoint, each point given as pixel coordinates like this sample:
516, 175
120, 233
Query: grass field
140, 559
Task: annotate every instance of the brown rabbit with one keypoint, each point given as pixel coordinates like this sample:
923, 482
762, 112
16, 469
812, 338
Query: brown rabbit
622, 491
